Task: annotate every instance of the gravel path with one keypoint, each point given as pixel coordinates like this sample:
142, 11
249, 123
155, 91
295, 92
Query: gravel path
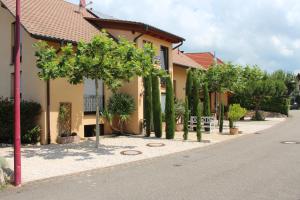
41, 162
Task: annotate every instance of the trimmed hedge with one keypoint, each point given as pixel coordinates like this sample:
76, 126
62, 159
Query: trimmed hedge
30, 131
270, 104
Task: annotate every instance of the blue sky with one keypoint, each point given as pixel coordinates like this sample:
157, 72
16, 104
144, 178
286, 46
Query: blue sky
262, 32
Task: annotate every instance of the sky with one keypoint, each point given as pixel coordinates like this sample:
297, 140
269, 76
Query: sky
262, 32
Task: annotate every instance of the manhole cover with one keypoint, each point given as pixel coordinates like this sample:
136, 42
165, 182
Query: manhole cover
177, 165
156, 145
131, 152
290, 142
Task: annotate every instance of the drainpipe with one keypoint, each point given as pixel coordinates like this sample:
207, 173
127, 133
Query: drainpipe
140, 35
176, 47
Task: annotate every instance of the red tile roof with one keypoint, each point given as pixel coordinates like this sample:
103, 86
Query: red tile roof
204, 59
61, 20
54, 19
180, 59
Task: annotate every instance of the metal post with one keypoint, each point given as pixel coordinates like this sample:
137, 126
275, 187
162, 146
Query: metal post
17, 125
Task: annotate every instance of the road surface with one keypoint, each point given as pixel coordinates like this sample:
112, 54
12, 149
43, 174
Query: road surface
253, 167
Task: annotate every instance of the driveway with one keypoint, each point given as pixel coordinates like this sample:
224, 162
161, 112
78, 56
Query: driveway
253, 167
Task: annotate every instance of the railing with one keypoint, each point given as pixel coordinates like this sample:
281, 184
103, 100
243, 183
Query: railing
90, 102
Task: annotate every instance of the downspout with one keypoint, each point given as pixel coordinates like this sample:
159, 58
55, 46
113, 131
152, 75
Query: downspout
48, 112
140, 35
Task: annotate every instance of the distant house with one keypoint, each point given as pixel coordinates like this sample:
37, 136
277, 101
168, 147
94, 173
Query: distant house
181, 63
59, 22
208, 60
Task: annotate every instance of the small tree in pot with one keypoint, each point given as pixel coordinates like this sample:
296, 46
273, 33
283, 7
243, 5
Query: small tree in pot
236, 112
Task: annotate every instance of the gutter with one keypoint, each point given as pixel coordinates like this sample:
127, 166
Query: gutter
140, 35
179, 45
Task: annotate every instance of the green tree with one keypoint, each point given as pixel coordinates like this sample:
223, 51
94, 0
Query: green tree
189, 87
100, 59
198, 129
221, 119
148, 104
169, 110
157, 115
196, 96
206, 104
186, 119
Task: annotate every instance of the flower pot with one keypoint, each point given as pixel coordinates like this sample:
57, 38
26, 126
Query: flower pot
234, 131
179, 127
68, 140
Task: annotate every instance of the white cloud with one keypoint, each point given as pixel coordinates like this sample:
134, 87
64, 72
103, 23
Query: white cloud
253, 32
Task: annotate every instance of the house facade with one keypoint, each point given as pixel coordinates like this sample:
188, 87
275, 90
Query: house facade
58, 22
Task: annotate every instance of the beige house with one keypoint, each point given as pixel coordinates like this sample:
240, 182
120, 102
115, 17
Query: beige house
59, 22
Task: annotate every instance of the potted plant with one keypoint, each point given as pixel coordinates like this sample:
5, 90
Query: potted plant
236, 112
179, 113
120, 107
64, 125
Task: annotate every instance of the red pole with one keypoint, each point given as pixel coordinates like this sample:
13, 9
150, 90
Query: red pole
17, 125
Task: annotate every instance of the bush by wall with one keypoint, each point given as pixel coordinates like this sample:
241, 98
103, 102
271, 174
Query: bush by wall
30, 131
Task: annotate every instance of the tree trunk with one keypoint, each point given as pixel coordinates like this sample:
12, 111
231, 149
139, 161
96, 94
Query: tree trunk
97, 114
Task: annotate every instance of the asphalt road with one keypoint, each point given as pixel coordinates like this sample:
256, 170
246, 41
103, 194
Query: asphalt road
256, 167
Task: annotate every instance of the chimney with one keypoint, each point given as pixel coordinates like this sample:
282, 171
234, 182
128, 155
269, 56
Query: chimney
82, 4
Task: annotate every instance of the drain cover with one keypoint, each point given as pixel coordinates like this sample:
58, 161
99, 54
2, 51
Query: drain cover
156, 145
131, 152
290, 142
205, 141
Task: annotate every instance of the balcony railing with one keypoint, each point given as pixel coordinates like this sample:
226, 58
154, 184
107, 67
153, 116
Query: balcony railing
90, 102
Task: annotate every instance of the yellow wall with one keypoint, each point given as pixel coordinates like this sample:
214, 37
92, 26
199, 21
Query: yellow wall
180, 74
32, 88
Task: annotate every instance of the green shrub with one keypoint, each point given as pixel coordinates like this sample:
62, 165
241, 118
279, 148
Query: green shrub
236, 112
148, 104
157, 116
206, 104
258, 116
198, 129
30, 112
221, 119
169, 110
121, 105
179, 110
195, 94
270, 104
186, 119
189, 87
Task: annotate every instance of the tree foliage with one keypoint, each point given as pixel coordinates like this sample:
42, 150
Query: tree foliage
198, 128
169, 110
157, 114
148, 104
186, 119
102, 58
206, 103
